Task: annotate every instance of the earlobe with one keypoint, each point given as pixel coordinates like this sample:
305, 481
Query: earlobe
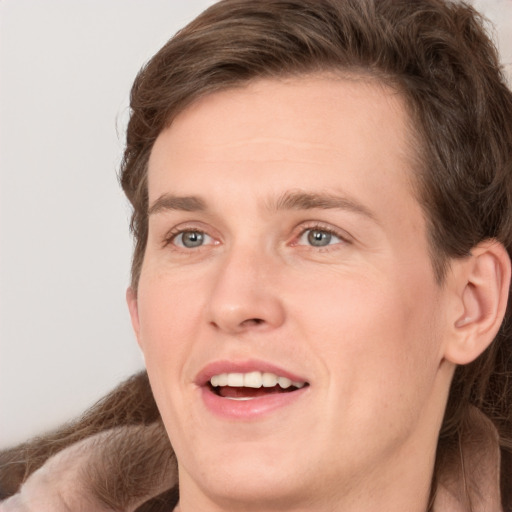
483, 287
133, 308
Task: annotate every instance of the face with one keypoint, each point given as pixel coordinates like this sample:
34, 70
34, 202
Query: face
287, 307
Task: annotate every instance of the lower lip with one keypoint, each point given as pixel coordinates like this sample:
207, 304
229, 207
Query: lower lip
249, 409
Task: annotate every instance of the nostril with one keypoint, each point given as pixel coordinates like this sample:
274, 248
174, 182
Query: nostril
252, 321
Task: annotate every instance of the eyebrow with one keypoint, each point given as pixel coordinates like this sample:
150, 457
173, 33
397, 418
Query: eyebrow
288, 201
171, 202
309, 201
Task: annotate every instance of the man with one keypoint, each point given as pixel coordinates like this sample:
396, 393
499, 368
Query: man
322, 212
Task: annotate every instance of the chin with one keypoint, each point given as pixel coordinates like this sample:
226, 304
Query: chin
244, 472
250, 482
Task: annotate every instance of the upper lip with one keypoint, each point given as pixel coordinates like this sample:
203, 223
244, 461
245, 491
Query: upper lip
218, 367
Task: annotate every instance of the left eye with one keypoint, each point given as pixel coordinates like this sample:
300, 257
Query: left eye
191, 239
318, 238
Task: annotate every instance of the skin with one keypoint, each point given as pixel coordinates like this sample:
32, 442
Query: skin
362, 319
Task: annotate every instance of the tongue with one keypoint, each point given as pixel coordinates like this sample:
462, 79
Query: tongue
232, 392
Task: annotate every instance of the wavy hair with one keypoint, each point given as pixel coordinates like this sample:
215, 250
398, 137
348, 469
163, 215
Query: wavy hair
438, 56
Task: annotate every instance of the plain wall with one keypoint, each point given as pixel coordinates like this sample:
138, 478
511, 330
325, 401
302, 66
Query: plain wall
66, 67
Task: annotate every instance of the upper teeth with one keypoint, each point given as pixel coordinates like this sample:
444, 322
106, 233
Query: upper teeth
253, 380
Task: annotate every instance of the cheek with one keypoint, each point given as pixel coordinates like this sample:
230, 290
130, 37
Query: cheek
372, 334
168, 315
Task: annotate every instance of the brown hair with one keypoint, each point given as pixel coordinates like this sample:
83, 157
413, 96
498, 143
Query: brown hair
437, 55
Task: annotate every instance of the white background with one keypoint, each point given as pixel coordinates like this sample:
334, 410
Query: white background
66, 67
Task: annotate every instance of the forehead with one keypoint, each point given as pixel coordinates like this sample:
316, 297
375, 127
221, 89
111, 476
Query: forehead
317, 132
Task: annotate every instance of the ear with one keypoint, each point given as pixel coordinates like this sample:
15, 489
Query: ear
133, 308
482, 283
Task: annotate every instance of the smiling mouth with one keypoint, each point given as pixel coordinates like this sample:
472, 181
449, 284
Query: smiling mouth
251, 385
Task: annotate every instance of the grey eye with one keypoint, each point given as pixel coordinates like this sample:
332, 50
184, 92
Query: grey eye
318, 237
190, 239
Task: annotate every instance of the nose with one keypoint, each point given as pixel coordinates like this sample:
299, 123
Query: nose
245, 294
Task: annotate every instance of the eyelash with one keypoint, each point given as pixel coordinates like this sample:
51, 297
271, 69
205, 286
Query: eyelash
343, 237
175, 233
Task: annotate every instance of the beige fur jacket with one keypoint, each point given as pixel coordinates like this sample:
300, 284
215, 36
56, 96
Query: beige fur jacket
83, 478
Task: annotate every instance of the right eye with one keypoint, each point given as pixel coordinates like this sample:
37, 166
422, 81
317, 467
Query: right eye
190, 239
